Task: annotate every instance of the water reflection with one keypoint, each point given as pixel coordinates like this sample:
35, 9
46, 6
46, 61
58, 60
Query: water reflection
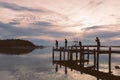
30, 66
37, 65
16, 51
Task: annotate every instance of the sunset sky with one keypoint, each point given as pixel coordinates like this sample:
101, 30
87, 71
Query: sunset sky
47, 20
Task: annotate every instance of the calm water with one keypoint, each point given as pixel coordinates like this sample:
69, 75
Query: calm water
37, 65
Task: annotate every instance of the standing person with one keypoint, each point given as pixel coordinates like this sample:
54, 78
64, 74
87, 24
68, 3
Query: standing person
98, 41
80, 44
65, 42
56, 43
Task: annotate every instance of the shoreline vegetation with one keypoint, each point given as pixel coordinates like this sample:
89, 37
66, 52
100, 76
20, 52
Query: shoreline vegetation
18, 43
17, 46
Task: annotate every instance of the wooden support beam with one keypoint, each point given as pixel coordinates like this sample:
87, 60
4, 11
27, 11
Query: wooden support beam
88, 54
94, 59
53, 55
60, 55
64, 55
109, 60
98, 58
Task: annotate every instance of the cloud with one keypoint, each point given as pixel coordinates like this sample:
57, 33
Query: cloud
103, 34
16, 7
104, 31
92, 28
9, 31
43, 23
14, 22
97, 3
40, 35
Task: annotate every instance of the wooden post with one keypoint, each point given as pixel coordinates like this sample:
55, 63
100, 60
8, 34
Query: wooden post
88, 55
81, 51
68, 56
97, 60
94, 59
109, 60
83, 57
71, 56
98, 51
76, 54
63, 53
60, 54
53, 55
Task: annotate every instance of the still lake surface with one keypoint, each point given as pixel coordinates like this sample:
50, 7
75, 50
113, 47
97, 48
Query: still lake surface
37, 65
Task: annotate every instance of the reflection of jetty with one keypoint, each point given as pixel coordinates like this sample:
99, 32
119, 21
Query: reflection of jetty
76, 57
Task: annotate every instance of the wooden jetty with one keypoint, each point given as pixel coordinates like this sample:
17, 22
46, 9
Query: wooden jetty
75, 57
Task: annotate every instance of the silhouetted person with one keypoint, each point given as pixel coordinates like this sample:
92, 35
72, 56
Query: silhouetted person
56, 43
80, 44
98, 41
65, 42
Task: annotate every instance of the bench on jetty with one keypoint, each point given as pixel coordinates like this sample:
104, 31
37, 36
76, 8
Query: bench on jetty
75, 57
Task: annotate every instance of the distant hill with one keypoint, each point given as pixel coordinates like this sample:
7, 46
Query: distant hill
16, 43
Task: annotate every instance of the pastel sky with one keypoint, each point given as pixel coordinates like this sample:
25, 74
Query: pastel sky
48, 20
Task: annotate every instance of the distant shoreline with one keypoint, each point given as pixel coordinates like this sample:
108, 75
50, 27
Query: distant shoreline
17, 46
18, 43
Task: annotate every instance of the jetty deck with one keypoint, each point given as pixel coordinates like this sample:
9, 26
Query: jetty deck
73, 57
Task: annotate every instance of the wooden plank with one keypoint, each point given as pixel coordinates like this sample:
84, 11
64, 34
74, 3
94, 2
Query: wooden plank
90, 51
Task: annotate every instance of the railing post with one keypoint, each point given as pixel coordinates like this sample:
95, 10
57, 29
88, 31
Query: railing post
94, 59
60, 54
88, 55
83, 56
68, 53
97, 59
63, 53
109, 60
76, 54
98, 51
71, 56
53, 55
